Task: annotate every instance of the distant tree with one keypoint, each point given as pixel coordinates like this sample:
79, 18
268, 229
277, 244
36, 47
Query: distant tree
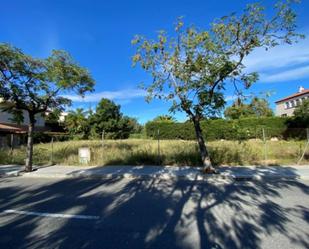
76, 123
191, 69
258, 107
105, 118
36, 85
238, 110
127, 126
52, 120
52, 116
109, 119
164, 118
107, 110
135, 127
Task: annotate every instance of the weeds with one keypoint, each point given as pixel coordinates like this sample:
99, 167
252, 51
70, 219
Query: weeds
172, 152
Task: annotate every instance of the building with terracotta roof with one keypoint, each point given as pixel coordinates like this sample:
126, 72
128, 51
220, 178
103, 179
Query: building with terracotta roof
285, 107
12, 133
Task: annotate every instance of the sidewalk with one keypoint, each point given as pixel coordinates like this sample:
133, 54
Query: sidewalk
10, 170
168, 172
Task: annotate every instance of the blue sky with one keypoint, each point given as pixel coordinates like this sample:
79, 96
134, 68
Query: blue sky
98, 35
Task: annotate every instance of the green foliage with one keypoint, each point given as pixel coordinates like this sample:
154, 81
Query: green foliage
258, 107
52, 121
241, 129
52, 117
107, 117
164, 118
191, 68
299, 120
238, 110
36, 85
76, 123
301, 113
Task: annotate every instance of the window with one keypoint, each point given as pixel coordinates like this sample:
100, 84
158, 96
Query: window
297, 102
292, 104
287, 105
284, 115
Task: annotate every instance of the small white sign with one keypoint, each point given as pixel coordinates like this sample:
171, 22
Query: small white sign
84, 155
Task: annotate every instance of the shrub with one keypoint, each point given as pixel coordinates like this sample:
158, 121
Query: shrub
240, 129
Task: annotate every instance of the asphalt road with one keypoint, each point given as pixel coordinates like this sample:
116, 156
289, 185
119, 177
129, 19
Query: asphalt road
152, 213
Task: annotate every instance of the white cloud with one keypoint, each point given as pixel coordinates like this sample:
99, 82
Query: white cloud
278, 57
281, 63
292, 74
123, 95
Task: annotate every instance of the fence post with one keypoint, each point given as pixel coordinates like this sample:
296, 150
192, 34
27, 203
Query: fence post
159, 156
12, 144
103, 134
103, 138
52, 151
265, 148
307, 144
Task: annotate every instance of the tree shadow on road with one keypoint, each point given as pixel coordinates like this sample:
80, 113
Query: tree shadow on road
153, 213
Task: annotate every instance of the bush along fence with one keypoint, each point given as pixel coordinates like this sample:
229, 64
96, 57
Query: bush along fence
241, 129
261, 141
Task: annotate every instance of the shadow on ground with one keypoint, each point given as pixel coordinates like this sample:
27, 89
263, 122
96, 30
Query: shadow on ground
151, 213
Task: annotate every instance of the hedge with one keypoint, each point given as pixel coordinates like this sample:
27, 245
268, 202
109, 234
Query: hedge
245, 128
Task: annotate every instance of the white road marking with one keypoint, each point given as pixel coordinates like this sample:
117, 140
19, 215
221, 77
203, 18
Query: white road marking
52, 215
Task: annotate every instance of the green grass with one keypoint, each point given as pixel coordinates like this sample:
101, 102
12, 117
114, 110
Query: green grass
172, 152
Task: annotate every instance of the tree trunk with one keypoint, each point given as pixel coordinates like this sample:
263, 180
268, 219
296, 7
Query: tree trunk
202, 147
28, 166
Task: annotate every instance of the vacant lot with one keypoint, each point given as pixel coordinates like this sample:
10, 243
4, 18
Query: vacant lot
172, 152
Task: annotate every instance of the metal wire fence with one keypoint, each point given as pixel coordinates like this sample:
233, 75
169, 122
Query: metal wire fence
266, 147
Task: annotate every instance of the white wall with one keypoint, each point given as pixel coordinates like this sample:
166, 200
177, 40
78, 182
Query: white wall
283, 110
5, 118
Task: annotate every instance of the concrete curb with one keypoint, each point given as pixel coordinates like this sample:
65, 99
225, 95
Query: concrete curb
243, 173
165, 177
197, 177
14, 173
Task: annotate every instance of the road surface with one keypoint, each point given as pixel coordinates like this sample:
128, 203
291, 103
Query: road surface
152, 213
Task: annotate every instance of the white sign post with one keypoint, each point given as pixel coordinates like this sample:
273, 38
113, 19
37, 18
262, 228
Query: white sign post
84, 155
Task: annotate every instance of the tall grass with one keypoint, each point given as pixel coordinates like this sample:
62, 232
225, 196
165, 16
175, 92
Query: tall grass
172, 152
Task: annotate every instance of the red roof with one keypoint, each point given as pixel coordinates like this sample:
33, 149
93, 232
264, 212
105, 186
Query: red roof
294, 95
20, 129
12, 128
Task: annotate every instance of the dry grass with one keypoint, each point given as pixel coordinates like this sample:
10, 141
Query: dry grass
172, 152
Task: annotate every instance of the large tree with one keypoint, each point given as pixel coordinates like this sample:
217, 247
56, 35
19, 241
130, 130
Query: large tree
37, 85
191, 68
